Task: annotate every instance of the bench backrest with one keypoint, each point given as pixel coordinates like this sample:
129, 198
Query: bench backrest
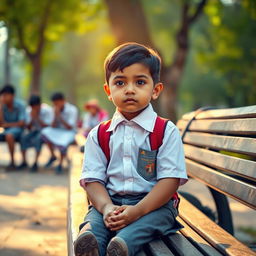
220, 150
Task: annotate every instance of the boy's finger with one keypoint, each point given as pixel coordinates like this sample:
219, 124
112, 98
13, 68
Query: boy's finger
116, 218
116, 224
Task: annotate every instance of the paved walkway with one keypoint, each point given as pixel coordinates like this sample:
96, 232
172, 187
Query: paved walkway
32, 211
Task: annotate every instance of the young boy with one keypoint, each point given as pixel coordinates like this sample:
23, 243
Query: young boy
131, 204
63, 129
38, 116
12, 119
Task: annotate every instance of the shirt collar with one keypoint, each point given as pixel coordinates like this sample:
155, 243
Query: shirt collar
146, 119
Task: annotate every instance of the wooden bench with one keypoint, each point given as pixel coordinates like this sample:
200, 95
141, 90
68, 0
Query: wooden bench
220, 149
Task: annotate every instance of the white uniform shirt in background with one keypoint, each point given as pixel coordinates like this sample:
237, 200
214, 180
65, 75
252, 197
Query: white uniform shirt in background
45, 115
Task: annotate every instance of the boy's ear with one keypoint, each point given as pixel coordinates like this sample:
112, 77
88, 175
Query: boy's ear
107, 91
157, 90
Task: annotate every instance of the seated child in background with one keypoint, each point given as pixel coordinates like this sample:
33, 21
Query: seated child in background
12, 119
131, 203
63, 129
38, 116
93, 117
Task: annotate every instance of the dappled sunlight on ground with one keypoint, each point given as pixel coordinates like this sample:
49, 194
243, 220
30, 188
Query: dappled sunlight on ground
33, 213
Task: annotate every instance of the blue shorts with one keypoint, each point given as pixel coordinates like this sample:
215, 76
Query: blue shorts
31, 139
157, 223
15, 131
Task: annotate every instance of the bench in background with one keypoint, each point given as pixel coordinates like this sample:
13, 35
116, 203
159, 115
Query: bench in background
220, 149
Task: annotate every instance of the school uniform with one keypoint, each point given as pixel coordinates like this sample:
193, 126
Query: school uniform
60, 136
14, 115
33, 137
126, 179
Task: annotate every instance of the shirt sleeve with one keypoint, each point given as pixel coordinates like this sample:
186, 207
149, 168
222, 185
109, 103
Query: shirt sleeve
72, 116
22, 113
170, 157
28, 116
47, 115
86, 121
95, 162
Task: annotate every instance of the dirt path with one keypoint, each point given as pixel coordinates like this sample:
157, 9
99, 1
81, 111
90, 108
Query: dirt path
32, 212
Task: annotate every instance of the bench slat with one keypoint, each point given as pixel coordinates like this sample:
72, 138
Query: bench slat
77, 201
181, 245
241, 167
158, 248
211, 232
239, 190
241, 145
197, 240
242, 112
229, 126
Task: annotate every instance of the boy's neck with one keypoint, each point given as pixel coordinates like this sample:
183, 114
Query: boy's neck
130, 115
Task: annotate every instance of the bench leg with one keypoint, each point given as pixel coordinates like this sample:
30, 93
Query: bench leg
223, 211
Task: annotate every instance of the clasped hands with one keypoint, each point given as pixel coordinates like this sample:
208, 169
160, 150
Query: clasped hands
117, 217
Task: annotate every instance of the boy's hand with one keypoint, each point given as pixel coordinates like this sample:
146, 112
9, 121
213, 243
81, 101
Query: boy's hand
123, 216
109, 210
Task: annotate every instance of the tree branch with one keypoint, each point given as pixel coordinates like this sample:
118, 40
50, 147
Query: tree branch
21, 39
198, 11
42, 27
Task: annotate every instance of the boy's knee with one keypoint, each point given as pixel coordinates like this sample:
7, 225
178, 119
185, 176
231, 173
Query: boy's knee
9, 137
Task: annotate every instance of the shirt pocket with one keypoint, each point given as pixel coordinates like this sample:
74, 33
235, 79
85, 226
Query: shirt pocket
146, 166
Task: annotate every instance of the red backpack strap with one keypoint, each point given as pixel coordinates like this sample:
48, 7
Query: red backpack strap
156, 140
156, 137
104, 138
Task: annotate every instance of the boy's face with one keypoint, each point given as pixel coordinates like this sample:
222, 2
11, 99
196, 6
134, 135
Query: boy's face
59, 104
36, 108
7, 98
132, 89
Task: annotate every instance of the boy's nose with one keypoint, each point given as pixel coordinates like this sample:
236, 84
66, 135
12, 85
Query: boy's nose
129, 88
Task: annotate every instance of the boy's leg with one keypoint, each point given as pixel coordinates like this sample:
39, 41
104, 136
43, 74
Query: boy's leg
157, 223
25, 143
53, 157
94, 223
11, 144
37, 143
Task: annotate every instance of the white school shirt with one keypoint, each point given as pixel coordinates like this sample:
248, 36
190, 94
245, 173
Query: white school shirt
121, 176
45, 115
70, 115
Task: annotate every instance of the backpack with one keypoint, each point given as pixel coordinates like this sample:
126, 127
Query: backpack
155, 138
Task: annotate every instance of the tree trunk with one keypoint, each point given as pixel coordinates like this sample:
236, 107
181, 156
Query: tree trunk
128, 21
171, 76
7, 70
36, 66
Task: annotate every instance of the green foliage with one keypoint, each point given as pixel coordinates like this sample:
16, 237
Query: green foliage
220, 69
229, 49
58, 16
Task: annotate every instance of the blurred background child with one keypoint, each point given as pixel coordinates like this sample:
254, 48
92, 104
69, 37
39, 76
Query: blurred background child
95, 114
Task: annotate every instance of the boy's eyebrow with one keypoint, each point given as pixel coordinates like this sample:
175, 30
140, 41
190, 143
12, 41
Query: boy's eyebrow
138, 76
141, 76
118, 77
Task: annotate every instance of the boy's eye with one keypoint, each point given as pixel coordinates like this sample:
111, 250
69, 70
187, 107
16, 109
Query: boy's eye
141, 82
119, 83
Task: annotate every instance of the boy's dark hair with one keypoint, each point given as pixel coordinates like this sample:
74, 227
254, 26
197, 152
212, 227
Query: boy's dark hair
57, 96
8, 88
34, 100
130, 53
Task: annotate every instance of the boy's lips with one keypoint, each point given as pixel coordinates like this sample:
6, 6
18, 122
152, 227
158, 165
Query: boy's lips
128, 100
